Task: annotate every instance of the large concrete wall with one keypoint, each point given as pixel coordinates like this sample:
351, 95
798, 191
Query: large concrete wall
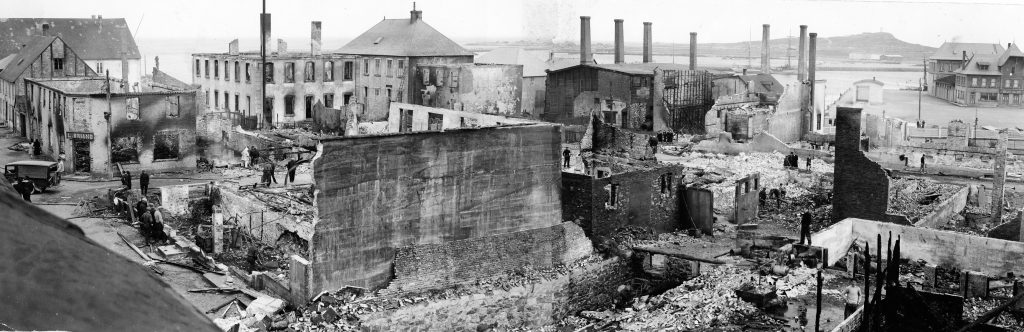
381, 193
861, 185
431, 266
450, 119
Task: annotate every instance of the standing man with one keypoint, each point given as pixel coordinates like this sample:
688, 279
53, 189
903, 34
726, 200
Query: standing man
762, 196
273, 169
25, 187
808, 163
565, 157
853, 299
290, 176
60, 166
654, 145
254, 155
37, 148
146, 224
245, 157
805, 228
126, 178
922, 162
144, 182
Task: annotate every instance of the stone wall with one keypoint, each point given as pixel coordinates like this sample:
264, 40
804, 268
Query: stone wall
641, 199
591, 287
608, 139
432, 265
377, 194
945, 210
259, 220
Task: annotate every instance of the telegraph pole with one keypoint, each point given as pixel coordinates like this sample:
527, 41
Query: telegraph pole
263, 64
109, 115
920, 89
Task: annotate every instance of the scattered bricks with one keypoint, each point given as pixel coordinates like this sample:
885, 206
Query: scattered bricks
930, 275
973, 284
316, 319
329, 299
1018, 287
330, 315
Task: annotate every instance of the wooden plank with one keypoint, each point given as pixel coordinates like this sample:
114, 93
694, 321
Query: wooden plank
134, 248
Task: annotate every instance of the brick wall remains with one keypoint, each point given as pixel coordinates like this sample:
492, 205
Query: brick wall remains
608, 139
381, 193
639, 201
861, 185
432, 265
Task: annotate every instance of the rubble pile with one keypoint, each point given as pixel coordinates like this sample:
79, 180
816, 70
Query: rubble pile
975, 307
917, 197
786, 212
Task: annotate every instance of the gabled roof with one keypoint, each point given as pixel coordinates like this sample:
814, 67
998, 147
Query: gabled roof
872, 81
532, 66
987, 60
765, 83
637, 68
403, 37
954, 51
1010, 52
6, 60
24, 58
92, 39
162, 78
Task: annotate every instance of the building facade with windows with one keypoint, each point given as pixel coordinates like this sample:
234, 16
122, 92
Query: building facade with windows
152, 129
389, 54
986, 80
42, 57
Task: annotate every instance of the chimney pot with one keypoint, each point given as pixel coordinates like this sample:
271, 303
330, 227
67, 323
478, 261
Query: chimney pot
648, 44
620, 51
585, 55
415, 15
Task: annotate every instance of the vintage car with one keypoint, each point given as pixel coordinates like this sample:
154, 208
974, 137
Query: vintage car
41, 172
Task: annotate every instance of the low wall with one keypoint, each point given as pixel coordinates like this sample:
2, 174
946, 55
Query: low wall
175, 199
591, 287
836, 238
440, 265
968, 252
852, 323
764, 142
945, 211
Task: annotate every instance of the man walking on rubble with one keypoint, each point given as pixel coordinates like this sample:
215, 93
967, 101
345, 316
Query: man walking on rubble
290, 175
805, 228
922, 162
146, 226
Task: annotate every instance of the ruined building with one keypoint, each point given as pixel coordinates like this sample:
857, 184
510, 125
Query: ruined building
295, 81
105, 44
472, 87
42, 57
152, 129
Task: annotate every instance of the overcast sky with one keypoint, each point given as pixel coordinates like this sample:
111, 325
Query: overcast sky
923, 22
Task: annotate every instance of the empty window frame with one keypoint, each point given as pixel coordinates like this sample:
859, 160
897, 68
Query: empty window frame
309, 106
329, 100
435, 121
125, 148
348, 70
289, 72
236, 103
173, 106
199, 71
366, 67
376, 67
166, 145
666, 183
227, 70
389, 67
613, 195
310, 71
268, 72
216, 69
216, 99
401, 68
238, 70
329, 71
132, 107
289, 105
248, 76
227, 101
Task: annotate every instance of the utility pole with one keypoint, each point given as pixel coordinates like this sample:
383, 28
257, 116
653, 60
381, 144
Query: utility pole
920, 90
263, 64
108, 115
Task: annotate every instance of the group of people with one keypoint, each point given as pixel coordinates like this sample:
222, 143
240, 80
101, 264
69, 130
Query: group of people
151, 222
126, 181
251, 158
792, 161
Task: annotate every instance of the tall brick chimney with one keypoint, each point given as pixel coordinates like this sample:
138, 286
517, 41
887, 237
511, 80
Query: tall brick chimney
801, 62
585, 55
812, 59
314, 38
415, 15
620, 48
648, 46
766, 56
693, 51
124, 59
267, 39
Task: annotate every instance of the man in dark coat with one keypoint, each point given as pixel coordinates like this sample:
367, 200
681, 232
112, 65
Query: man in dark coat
805, 228
146, 225
37, 147
144, 182
25, 187
126, 178
291, 165
254, 155
565, 157
141, 208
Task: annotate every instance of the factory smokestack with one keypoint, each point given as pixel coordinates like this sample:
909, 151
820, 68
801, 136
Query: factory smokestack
585, 56
812, 52
693, 51
314, 38
648, 44
801, 62
265, 25
766, 55
620, 47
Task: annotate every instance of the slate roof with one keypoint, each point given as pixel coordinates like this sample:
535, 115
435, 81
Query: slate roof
92, 39
24, 58
763, 83
532, 66
163, 78
638, 68
972, 66
403, 37
1010, 51
61, 280
954, 51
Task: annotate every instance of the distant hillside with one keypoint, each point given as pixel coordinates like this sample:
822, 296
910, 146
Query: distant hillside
832, 47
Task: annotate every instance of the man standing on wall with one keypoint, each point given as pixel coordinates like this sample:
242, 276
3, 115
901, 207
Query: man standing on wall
565, 157
144, 182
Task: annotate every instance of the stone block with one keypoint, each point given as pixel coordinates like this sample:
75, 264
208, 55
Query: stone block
930, 275
851, 264
973, 284
298, 280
